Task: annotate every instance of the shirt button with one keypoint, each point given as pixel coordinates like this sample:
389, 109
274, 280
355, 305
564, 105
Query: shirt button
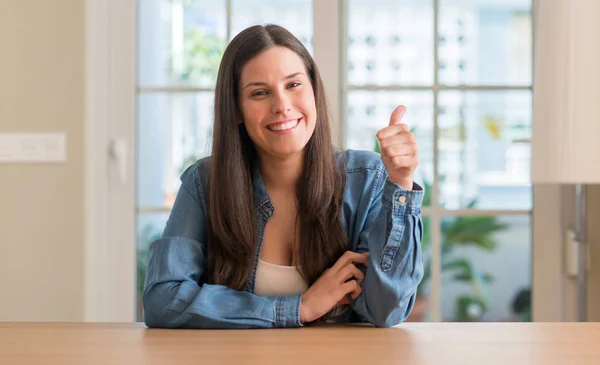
402, 199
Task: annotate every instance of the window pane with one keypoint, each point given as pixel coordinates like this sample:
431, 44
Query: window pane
294, 15
180, 42
369, 111
484, 149
149, 227
486, 273
173, 131
485, 42
390, 42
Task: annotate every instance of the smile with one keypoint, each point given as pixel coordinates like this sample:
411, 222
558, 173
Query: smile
284, 126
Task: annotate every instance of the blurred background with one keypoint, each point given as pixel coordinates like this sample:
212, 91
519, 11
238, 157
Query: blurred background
75, 235
469, 98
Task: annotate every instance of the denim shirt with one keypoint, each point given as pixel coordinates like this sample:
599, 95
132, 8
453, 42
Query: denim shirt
378, 216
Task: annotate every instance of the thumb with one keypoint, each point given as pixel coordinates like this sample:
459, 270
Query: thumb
397, 115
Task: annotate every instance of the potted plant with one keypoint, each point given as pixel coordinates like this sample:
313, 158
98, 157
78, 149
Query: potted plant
459, 232
521, 305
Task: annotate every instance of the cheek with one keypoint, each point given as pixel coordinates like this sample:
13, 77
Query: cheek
252, 111
307, 100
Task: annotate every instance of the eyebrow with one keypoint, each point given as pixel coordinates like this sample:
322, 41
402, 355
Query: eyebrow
264, 84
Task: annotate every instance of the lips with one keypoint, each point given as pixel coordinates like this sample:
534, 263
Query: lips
285, 125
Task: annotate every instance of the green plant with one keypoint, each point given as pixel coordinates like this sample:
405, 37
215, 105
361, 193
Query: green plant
202, 53
457, 233
521, 304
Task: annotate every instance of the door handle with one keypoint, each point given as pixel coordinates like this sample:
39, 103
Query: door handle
118, 150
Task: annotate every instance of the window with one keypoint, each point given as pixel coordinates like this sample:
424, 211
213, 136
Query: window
469, 98
468, 92
180, 44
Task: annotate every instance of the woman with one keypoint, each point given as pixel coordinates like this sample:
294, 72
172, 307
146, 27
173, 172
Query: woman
276, 228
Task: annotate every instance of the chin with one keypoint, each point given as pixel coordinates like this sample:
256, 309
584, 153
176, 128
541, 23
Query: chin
288, 152
288, 149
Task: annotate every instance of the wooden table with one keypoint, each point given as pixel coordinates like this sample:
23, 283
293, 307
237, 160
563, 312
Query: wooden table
410, 343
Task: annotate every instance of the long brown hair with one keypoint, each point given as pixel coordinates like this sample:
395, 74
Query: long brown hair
232, 228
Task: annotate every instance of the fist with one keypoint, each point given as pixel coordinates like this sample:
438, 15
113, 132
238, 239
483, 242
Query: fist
399, 150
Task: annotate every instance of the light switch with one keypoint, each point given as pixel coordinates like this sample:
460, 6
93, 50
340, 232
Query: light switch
33, 147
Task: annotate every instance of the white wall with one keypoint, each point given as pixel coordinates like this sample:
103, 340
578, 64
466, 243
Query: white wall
41, 206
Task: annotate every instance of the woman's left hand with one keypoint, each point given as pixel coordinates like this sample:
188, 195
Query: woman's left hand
399, 150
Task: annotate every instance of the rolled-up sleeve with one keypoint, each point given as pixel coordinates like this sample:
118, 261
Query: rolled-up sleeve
392, 234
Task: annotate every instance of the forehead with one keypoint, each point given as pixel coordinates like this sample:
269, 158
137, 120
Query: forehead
274, 63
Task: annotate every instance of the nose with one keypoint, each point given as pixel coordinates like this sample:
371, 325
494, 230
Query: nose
281, 103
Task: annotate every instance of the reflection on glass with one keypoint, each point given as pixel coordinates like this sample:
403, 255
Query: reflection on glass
294, 15
484, 149
149, 228
180, 42
173, 131
369, 111
485, 42
486, 268
390, 42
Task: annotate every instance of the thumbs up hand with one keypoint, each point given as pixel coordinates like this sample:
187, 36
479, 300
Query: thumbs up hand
399, 150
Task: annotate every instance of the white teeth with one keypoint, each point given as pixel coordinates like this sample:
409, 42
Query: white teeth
284, 126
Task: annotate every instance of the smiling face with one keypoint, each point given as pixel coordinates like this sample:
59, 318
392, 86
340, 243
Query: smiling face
277, 102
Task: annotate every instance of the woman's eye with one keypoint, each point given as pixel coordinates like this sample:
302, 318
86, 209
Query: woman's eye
294, 84
259, 93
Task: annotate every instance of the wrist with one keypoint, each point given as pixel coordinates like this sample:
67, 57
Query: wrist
406, 184
304, 312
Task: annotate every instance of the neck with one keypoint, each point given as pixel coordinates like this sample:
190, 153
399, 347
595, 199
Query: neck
281, 174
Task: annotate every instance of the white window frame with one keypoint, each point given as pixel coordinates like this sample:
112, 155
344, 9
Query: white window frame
109, 239
110, 290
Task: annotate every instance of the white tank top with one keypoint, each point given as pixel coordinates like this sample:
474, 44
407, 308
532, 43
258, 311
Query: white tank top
278, 280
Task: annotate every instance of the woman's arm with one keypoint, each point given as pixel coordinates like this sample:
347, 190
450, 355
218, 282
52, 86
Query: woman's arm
392, 234
175, 292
